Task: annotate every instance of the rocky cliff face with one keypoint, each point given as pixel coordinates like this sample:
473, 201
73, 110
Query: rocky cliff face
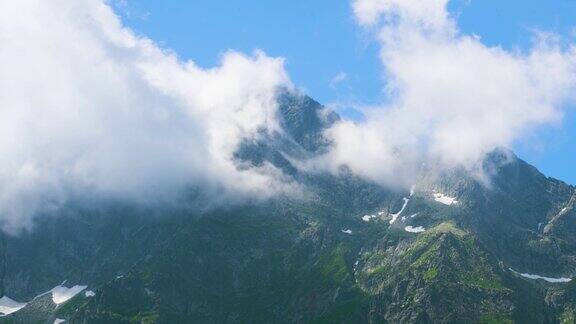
452, 249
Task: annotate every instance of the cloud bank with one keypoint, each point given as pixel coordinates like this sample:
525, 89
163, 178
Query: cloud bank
451, 99
88, 106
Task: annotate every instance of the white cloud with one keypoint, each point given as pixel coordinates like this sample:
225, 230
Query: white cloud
452, 99
338, 78
426, 13
87, 106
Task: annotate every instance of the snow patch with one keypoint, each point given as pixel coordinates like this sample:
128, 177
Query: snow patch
355, 265
443, 199
61, 294
418, 229
9, 306
367, 218
553, 280
536, 277
395, 216
347, 231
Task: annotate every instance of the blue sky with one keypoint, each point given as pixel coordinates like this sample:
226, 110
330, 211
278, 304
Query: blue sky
321, 40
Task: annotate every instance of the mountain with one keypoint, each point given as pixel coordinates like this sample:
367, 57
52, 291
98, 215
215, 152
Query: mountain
453, 249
